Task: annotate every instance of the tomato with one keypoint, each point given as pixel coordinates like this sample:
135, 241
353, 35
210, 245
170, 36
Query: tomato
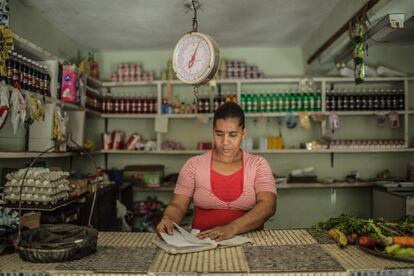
366, 241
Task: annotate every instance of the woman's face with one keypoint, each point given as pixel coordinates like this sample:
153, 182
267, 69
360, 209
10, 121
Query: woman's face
228, 136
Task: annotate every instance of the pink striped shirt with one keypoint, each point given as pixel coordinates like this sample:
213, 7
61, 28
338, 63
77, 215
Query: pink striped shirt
195, 181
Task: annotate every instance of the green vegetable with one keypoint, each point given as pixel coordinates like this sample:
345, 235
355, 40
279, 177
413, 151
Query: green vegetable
392, 248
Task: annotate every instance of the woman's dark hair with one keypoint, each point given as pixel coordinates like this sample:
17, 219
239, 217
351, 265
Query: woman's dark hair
229, 110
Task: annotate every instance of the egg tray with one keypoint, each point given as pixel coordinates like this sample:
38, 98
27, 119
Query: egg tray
38, 174
37, 200
37, 183
37, 190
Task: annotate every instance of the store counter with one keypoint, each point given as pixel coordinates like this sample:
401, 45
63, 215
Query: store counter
301, 251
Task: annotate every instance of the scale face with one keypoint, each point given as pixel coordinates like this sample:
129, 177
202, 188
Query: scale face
196, 58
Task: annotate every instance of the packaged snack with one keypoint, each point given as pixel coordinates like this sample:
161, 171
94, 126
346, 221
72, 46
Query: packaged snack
69, 85
117, 139
133, 139
4, 104
107, 141
18, 109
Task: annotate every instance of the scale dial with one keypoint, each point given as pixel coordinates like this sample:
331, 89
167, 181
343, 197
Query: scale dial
196, 58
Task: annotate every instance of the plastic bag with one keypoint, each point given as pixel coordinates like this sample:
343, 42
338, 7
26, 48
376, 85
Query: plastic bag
18, 109
4, 104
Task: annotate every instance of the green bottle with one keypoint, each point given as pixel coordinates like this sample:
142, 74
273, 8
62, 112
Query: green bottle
318, 101
291, 100
275, 102
243, 102
305, 102
249, 103
255, 103
299, 103
312, 102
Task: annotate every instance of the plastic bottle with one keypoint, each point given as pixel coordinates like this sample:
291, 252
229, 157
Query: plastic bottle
249, 103
255, 103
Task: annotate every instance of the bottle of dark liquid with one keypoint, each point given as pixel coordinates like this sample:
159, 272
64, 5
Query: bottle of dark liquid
370, 102
15, 69
401, 101
376, 102
47, 82
328, 105
9, 66
31, 77
351, 102
24, 71
382, 103
339, 105
357, 104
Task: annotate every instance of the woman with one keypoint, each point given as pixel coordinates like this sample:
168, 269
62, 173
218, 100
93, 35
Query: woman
233, 191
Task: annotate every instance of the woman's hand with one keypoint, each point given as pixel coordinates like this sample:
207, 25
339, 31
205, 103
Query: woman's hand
166, 225
219, 233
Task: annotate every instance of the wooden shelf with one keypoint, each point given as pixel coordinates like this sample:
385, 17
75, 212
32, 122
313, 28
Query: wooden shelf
27, 154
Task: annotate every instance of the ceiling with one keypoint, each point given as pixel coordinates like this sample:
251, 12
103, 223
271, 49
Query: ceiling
158, 24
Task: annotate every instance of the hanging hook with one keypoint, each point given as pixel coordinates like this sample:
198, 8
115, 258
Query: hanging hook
195, 22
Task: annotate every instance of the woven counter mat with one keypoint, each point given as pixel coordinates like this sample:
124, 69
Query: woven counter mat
114, 259
280, 237
320, 236
287, 258
126, 239
304, 274
224, 260
12, 263
354, 259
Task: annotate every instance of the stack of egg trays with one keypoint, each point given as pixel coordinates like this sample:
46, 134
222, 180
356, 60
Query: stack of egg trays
41, 186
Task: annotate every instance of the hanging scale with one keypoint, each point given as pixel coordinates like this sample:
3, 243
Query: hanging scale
196, 56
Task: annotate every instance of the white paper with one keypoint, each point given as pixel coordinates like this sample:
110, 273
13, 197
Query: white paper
161, 124
182, 238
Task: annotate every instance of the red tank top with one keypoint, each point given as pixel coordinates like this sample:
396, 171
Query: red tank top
227, 188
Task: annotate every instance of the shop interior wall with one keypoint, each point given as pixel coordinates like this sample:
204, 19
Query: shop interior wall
33, 27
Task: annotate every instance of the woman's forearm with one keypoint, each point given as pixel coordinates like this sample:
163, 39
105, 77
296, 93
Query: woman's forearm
255, 217
175, 212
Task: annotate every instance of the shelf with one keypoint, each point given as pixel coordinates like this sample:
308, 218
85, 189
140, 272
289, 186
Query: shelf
93, 81
69, 106
107, 84
371, 79
282, 151
366, 113
26, 154
332, 151
187, 116
153, 189
93, 112
277, 114
157, 152
325, 185
129, 116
